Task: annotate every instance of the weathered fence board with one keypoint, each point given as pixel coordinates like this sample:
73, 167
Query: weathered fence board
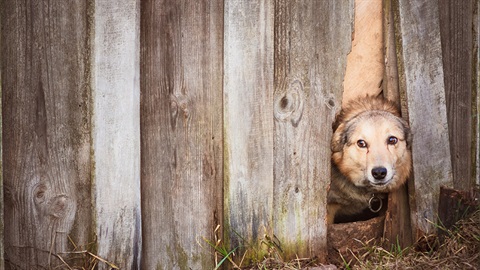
422, 60
2, 265
476, 75
46, 136
116, 131
181, 131
456, 22
309, 69
397, 220
248, 121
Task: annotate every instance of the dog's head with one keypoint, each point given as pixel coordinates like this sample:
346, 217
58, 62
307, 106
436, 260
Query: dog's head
371, 144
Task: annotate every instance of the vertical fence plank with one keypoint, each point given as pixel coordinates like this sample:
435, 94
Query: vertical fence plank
310, 62
422, 60
46, 125
116, 131
248, 126
397, 220
456, 21
476, 74
181, 131
2, 265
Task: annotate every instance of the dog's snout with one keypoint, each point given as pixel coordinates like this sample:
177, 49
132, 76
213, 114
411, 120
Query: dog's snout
379, 173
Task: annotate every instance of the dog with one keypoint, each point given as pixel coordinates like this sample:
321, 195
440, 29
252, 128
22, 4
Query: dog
371, 156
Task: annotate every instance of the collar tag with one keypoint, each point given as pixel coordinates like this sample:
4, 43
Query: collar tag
375, 204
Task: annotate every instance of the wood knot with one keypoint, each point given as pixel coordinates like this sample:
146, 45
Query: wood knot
58, 206
39, 193
178, 107
289, 104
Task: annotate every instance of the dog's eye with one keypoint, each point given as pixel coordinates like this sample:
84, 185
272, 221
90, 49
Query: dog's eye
392, 140
361, 143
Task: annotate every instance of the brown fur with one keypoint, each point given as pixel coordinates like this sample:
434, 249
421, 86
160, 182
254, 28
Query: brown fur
373, 120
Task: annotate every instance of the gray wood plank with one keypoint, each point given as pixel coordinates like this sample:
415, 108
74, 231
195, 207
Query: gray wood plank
248, 121
116, 132
310, 62
422, 60
181, 131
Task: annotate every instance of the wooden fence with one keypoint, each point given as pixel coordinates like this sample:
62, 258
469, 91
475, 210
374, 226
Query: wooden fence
132, 129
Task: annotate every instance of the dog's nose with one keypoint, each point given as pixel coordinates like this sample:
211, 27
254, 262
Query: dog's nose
379, 173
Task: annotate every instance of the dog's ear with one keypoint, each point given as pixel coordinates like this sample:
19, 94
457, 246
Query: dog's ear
338, 139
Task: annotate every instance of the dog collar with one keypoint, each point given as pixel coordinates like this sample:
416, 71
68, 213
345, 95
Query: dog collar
375, 203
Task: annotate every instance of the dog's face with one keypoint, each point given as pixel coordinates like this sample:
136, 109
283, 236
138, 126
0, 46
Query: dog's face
372, 149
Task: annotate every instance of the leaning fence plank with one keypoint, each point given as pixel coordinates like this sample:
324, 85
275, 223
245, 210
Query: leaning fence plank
397, 220
422, 60
46, 135
248, 127
310, 64
116, 132
181, 131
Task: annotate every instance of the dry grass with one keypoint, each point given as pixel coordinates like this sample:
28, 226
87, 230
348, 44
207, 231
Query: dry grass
460, 249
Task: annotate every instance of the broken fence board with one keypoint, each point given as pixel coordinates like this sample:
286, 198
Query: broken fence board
397, 220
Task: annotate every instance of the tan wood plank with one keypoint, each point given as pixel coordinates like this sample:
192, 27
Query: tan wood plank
46, 135
310, 64
181, 131
424, 77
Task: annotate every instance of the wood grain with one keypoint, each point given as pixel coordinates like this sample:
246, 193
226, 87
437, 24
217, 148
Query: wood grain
456, 24
2, 239
476, 111
397, 221
248, 121
422, 60
309, 69
181, 131
46, 130
116, 132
